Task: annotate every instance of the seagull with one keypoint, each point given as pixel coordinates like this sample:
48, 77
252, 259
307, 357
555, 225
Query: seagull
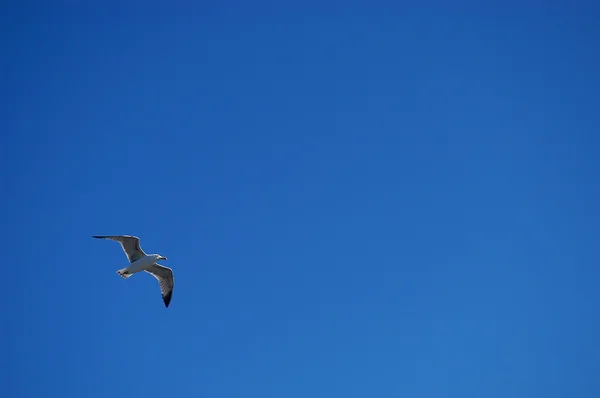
140, 261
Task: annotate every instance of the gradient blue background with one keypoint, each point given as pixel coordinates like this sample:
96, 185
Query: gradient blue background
357, 201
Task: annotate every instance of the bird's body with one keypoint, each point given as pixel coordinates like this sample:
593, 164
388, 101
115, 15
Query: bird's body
140, 261
143, 264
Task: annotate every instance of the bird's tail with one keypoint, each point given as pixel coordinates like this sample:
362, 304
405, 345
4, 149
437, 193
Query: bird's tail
124, 273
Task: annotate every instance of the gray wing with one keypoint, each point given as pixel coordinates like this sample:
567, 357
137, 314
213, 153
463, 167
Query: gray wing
130, 245
164, 275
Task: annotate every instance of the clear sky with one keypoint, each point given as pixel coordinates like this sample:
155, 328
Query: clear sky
357, 200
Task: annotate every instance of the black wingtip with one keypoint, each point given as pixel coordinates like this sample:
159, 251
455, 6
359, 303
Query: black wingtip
167, 298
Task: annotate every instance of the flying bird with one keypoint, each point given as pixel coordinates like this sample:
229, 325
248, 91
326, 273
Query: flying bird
140, 261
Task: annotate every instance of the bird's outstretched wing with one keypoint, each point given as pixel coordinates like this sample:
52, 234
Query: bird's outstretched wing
164, 275
130, 245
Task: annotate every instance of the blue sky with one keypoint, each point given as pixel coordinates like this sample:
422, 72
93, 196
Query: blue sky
357, 201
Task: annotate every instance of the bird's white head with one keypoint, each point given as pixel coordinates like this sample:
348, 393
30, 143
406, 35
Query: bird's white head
159, 257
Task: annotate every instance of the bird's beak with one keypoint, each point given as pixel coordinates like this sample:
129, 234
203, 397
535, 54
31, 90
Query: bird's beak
163, 258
